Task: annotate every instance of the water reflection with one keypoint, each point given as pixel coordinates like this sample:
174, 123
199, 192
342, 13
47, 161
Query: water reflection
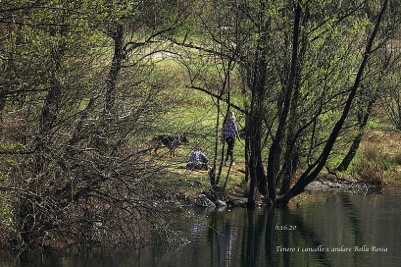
344, 229
341, 229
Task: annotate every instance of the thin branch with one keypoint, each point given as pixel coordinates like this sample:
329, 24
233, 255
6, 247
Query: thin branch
226, 100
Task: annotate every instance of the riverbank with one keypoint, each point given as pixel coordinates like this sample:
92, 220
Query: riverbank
195, 190
328, 183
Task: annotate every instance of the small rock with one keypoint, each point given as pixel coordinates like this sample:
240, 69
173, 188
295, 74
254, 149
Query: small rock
220, 203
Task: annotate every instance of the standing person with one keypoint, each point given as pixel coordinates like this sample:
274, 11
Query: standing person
230, 132
197, 160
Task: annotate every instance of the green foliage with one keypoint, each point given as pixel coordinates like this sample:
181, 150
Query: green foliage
11, 147
5, 210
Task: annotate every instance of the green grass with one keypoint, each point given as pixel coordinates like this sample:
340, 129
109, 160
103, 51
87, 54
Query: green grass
194, 113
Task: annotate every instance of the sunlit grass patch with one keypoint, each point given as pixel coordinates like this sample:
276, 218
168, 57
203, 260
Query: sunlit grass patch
379, 157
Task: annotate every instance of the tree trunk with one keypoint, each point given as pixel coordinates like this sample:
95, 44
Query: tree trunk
255, 165
115, 68
275, 150
51, 106
48, 118
212, 173
257, 84
289, 169
254, 132
343, 166
28, 209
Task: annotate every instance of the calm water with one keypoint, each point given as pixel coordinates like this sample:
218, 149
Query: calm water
338, 229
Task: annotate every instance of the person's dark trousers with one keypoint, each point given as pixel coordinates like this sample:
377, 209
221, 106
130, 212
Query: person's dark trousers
230, 148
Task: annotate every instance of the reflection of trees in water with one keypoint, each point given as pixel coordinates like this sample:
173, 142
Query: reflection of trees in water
226, 246
351, 212
307, 235
196, 228
221, 236
250, 237
255, 242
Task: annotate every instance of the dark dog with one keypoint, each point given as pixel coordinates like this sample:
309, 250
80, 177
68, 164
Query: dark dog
171, 142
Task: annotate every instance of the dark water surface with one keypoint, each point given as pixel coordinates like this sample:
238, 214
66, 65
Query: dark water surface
338, 229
